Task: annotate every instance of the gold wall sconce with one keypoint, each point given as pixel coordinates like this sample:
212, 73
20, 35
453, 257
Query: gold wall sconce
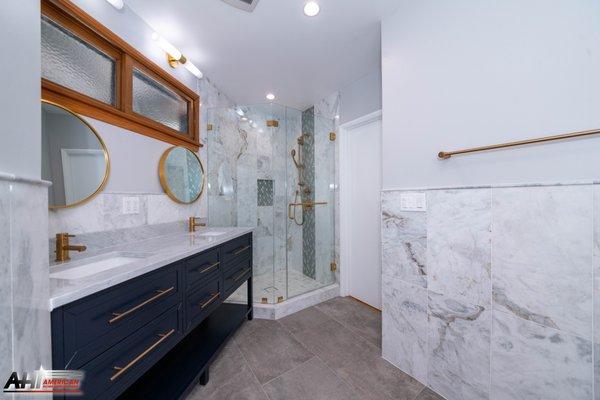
175, 57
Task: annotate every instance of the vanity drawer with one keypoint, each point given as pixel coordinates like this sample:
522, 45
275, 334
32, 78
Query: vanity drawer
96, 323
236, 249
109, 374
236, 275
202, 267
202, 302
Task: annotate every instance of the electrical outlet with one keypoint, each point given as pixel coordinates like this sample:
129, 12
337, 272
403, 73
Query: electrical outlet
131, 205
413, 201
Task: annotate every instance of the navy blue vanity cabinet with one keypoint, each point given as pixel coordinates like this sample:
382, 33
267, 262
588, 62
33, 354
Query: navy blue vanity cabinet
134, 337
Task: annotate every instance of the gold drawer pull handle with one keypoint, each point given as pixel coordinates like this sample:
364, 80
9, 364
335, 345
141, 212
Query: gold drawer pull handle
122, 370
160, 293
211, 266
207, 302
240, 250
244, 272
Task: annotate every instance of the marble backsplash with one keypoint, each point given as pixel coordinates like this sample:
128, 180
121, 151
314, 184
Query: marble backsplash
492, 293
104, 213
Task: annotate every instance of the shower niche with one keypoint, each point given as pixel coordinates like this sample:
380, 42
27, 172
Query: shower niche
273, 168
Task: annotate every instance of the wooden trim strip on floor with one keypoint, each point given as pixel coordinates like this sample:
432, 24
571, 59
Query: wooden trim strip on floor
365, 304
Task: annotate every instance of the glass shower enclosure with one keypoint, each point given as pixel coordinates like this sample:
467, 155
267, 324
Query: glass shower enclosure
273, 168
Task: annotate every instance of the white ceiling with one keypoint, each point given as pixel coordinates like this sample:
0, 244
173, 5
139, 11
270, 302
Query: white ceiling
276, 48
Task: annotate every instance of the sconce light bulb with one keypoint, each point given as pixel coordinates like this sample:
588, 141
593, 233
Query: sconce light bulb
118, 4
193, 69
166, 46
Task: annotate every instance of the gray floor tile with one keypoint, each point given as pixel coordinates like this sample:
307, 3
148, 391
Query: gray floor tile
428, 394
305, 319
379, 379
226, 368
270, 349
243, 387
312, 380
358, 317
335, 344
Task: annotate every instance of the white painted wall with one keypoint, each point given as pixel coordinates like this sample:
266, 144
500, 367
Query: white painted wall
361, 97
466, 73
20, 110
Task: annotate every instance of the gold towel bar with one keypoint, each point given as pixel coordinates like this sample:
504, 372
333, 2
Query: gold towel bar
448, 154
305, 205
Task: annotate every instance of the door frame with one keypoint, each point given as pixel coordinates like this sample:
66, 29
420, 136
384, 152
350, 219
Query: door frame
345, 197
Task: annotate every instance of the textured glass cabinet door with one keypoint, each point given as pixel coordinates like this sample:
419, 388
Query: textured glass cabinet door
155, 101
77, 65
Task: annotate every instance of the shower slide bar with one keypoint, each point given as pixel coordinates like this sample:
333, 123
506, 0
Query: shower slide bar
448, 154
306, 204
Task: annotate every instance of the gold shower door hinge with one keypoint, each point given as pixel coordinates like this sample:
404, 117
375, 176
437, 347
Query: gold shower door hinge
333, 266
209, 127
332, 136
272, 123
264, 300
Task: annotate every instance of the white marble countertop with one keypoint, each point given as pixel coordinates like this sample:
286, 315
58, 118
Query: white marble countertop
151, 254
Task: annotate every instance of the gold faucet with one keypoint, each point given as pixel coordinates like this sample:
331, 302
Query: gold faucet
63, 247
192, 224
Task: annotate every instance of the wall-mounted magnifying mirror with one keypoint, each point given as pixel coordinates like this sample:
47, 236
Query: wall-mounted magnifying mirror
181, 175
74, 157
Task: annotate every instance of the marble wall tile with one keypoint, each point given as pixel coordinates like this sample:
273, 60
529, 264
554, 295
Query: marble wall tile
6, 350
404, 327
596, 292
542, 240
77, 220
161, 210
533, 362
404, 241
459, 245
459, 348
30, 280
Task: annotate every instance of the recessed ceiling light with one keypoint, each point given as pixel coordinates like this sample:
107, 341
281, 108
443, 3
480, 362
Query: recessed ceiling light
311, 8
244, 119
270, 96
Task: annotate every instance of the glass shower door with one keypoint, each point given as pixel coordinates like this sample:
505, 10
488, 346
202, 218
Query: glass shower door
311, 196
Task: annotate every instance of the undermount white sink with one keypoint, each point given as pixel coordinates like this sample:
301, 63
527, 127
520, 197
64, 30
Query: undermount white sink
211, 233
95, 265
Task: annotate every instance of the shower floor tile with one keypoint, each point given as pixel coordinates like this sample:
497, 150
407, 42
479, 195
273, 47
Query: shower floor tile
271, 286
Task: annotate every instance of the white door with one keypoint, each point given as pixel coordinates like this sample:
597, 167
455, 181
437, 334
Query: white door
360, 173
78, 166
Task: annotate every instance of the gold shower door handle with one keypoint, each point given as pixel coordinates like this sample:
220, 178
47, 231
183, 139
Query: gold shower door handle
306, 204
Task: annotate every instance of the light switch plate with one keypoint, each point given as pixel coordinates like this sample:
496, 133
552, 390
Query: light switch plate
131, 205
413, 201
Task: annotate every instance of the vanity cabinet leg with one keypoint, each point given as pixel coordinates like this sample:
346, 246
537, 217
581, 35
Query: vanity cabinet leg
204, 378
250, 300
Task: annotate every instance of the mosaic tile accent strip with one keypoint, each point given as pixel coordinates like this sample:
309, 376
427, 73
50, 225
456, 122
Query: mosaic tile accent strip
264, 192
308, 177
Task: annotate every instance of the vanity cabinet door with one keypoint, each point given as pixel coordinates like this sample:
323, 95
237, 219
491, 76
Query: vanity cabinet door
236, 250
236, 275
201, 302
111, 373
97, 322
202, 268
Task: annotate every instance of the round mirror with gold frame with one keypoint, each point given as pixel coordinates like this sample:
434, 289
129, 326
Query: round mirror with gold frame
74, 157
181, 175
